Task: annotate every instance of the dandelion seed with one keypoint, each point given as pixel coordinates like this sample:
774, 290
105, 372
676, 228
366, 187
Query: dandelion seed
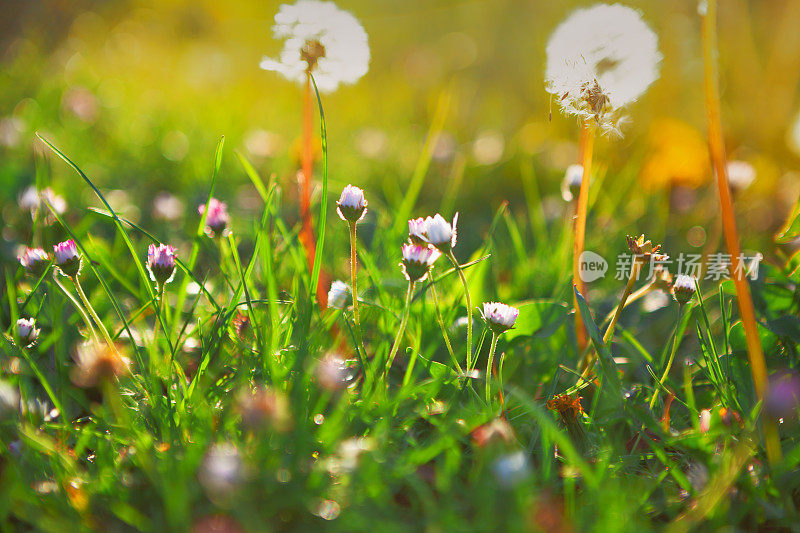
264, 407
321, 39
96, 363
221, 472
599, 60
332, 373
418, 260
9, 399
338, 295
27, 332
67, 258
571, 183
161, 263
740, 175
35, 261
217, 219
352, 206
511, 469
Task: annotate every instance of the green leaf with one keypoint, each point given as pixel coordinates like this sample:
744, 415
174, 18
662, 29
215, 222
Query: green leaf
538, 317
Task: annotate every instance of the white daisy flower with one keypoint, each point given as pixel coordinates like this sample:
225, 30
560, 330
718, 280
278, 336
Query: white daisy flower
599, 60
322, 39
499, 317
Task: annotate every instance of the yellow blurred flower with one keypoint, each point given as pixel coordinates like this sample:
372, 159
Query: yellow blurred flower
678, 156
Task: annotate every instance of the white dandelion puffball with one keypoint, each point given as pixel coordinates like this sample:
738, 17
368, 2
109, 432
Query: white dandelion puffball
599, 60
320, 38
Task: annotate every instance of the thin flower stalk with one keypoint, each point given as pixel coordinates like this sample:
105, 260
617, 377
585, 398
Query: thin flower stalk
675, 343
468, 303
587, 149
92, 312
716, 143
353, 274
400, 330
442, 326
489, 363
78, 307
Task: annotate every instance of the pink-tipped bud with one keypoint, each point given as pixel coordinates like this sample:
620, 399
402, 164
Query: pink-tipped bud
417, 231
499, 317
161, 263
352, 206
67, 258
417, 261
27, 332
35, 261
217, 219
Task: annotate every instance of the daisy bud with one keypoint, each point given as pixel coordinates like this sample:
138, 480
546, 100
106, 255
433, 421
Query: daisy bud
352, 206
417, 232
683, 288
440, 233
499, 317
417, 261
35, 261
67, 258
217, 218
27, 332
161, 263
338, 295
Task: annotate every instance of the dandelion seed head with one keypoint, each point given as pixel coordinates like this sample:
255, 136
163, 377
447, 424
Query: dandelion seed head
322, 39
599, 60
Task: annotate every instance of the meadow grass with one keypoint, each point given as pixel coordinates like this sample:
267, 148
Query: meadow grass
246, 405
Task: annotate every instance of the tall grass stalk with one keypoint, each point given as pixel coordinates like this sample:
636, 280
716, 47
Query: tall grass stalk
587, 149
716, 144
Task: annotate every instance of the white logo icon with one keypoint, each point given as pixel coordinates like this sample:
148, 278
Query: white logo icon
592, 266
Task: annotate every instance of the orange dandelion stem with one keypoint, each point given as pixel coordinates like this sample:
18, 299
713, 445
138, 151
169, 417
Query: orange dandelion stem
587, 148
716, 144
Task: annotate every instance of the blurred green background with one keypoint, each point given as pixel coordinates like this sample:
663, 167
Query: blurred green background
138, 93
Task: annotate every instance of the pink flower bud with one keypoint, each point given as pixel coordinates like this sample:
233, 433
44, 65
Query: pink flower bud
417, 261
352, 206
67, 258
27, 331
35, 261
217, 219
161, 263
